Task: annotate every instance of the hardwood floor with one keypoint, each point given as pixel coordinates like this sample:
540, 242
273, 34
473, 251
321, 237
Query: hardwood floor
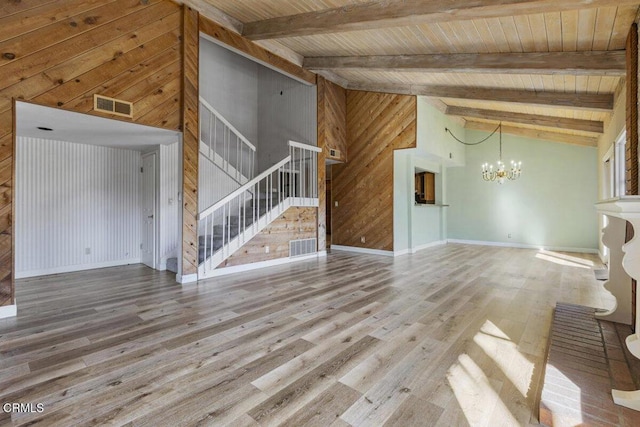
453, 335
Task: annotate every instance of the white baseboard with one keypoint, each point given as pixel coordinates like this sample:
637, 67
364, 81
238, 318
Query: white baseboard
74, 268
387, 253
427, 245
603, 259
322, 253
524, 246
263, 264
186, 278
362, 250
8, 311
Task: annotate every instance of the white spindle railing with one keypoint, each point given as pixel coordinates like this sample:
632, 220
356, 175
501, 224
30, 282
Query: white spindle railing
235, 219
227, 148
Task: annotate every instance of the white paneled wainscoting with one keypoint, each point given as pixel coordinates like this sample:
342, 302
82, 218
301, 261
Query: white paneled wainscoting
78, 206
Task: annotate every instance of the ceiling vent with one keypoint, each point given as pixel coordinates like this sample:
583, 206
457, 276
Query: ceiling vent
112, 106
334, 153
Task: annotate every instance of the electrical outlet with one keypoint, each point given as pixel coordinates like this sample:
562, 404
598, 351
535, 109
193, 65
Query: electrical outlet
509, 235
336, 203
87, 251
362, 239
266, 249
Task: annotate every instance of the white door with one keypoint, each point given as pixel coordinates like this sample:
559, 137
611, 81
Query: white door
148, 253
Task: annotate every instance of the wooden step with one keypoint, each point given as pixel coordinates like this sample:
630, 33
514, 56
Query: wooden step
586, 359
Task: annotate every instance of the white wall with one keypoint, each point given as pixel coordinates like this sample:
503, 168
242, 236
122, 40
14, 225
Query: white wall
433, 140
169, 226
70, 197
612, 129
229, 82
420, 226
551, 205
213, 183
287, 111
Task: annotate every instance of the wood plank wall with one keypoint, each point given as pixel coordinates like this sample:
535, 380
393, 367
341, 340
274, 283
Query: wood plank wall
377, 124
632, 112
295, 223
332, 134
59, 53
332, 103
631, 148
190, 142
321, 225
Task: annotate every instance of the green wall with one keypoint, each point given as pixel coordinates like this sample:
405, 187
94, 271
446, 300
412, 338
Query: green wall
551, 205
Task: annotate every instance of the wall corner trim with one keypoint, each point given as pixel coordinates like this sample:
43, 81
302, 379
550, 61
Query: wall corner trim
427, 245
186, 278
8, 311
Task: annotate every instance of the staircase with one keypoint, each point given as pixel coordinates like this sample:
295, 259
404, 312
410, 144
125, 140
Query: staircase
253, 202
235, 219
224, 146
227, 158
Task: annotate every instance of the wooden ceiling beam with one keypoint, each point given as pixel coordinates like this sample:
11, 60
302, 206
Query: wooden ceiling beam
578, 101
528, 119
384, 14
587, 141
603, 63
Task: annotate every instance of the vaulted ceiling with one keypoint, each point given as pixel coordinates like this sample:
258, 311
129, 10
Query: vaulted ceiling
546, 68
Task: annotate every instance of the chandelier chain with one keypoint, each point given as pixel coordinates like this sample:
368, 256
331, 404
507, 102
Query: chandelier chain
475, 143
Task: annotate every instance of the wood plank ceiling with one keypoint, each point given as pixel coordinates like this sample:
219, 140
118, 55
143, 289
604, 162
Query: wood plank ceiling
481, 61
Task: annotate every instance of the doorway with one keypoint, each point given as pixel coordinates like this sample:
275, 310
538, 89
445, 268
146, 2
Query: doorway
148, 245
79, 198
329, 201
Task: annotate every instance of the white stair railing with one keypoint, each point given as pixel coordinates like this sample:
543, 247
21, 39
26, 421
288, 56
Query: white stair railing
223, 145
232, 221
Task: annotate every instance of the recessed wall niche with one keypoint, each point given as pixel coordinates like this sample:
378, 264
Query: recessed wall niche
425, 187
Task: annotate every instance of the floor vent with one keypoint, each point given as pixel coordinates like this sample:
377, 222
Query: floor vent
302, 247
112, 106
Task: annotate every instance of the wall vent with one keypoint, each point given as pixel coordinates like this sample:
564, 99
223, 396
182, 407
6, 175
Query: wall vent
302, 247
334, 153
112, 106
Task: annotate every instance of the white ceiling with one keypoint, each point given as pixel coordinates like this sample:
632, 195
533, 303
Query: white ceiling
86, 129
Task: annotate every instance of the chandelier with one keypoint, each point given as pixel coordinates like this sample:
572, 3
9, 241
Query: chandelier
500, 173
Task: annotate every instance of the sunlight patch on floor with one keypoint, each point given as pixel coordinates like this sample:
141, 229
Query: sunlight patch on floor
499, 347
564, 259
475, 394
574, 406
